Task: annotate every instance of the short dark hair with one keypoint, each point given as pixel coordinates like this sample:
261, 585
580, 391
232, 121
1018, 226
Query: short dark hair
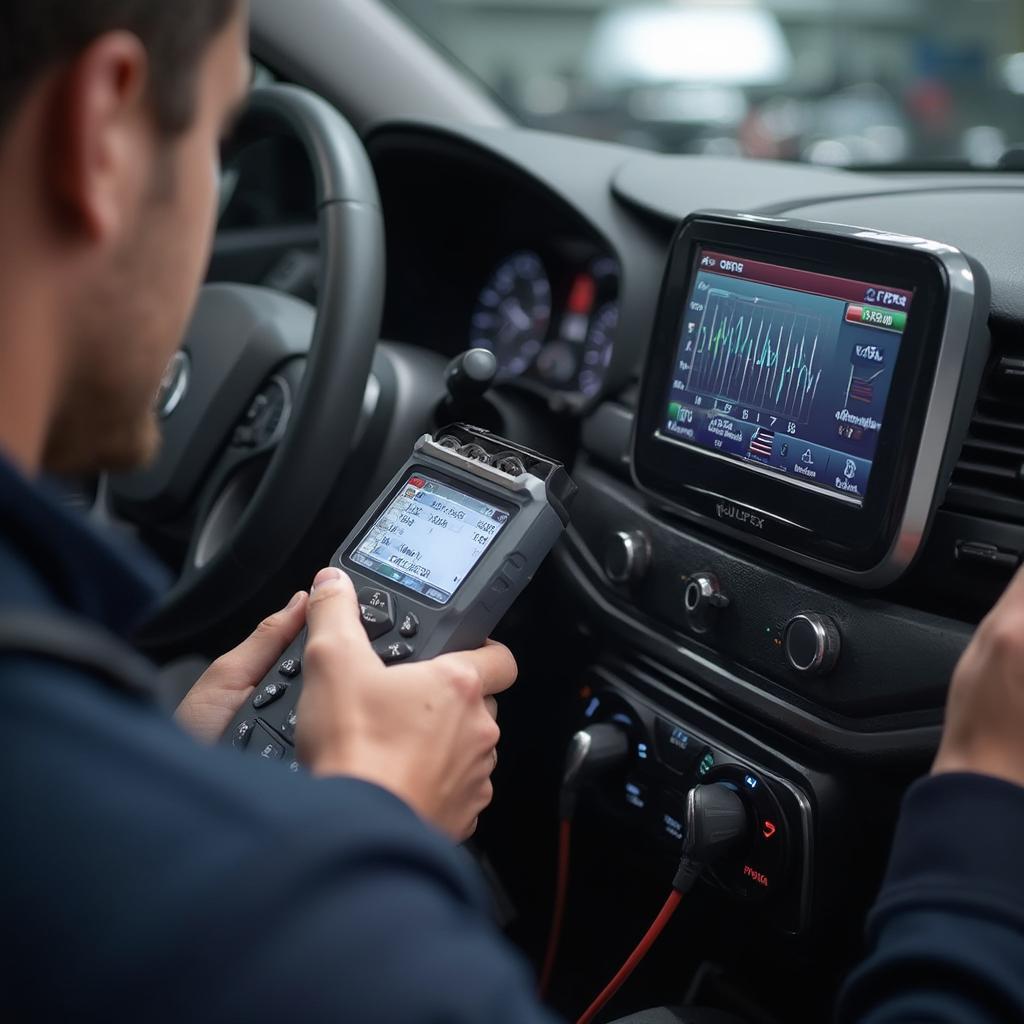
35, 35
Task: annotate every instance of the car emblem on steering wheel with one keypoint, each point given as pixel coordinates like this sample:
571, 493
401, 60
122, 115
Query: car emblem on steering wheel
174, 384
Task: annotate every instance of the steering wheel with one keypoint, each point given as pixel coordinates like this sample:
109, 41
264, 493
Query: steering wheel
266, 398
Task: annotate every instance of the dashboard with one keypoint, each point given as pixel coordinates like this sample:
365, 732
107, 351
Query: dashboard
518, 271
796, 444
792, 399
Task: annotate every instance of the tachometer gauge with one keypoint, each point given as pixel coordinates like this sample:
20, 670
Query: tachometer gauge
597, 349
513, 314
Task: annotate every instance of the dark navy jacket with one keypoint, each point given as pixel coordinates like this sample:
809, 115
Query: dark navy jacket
146, 878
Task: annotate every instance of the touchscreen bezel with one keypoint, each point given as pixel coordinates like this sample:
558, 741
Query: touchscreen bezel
856, 538
430, 473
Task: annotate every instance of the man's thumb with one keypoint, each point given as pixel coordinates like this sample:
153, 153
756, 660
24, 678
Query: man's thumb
335, 622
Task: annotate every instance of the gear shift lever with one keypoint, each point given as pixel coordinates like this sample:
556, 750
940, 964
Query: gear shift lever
469, 376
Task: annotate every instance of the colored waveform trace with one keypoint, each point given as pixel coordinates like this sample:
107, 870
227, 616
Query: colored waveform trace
757, 353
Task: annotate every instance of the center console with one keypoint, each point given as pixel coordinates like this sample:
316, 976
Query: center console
751, 520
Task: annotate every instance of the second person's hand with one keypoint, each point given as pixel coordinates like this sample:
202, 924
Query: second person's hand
426, 731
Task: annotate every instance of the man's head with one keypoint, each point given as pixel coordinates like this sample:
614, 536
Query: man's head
111, 117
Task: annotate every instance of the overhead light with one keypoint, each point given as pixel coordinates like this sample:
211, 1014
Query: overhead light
1013, 72
711, 45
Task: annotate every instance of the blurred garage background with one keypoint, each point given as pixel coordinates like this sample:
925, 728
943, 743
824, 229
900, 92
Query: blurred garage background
895, 83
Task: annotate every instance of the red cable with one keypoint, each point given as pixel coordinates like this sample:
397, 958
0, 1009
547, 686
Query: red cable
561, 888
635, 957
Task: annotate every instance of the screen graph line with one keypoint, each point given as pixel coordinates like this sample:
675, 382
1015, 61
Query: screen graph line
756, 353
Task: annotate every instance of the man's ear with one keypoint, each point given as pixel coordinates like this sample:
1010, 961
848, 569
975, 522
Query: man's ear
102, 135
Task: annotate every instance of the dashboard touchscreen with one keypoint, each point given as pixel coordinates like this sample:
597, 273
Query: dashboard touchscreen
787, 371
429, 537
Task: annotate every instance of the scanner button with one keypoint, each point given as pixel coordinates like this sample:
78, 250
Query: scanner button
271, 750
287, 727
392, 653
378, 599
515, 562
290, 668
409, 626
264, 744
268, 694
242, 734
376, 621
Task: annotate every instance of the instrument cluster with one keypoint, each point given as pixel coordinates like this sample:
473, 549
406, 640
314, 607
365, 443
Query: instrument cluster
550, 321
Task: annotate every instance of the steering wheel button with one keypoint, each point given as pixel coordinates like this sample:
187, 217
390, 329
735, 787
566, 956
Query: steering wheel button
259, 403
244, 437
290, 668
269, 693
390, 654
376, 621
409, 626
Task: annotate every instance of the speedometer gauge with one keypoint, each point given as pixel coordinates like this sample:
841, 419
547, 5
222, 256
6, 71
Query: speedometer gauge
597, 350
513, 313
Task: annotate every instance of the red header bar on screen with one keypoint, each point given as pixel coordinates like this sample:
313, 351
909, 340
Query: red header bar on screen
803, 280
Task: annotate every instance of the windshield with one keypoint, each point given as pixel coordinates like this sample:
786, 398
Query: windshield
840, 82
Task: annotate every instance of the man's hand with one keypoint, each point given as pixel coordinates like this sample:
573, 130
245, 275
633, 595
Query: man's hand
985, 710
224, 687
426, 731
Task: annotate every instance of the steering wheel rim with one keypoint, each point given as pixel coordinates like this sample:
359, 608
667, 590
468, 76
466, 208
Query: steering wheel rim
329, 402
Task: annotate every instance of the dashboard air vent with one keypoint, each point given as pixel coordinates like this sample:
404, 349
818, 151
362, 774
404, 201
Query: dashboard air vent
989, 476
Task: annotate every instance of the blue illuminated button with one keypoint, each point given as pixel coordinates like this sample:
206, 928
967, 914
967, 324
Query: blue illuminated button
676, 747
636, 795
672, 826
671, 817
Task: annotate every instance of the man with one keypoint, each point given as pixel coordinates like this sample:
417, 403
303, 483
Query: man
148, 878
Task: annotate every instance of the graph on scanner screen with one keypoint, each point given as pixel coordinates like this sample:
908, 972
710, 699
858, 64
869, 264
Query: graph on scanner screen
764, 355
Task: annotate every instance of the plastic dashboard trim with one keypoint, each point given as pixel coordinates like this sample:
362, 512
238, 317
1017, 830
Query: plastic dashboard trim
909, 743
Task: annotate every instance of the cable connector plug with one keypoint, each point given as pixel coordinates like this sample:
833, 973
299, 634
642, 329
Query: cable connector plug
716, 825
592, 752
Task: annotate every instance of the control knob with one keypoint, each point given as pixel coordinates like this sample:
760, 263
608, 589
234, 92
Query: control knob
703, 600
627, 556
811, 643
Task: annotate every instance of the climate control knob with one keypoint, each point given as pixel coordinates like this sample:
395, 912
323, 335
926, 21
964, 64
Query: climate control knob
627, 556
703, 600
812, 643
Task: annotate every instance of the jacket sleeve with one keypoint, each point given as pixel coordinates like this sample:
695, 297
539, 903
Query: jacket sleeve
373, 918
946, 935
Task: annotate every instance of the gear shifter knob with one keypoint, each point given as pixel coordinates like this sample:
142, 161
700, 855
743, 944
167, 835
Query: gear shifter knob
470, 375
